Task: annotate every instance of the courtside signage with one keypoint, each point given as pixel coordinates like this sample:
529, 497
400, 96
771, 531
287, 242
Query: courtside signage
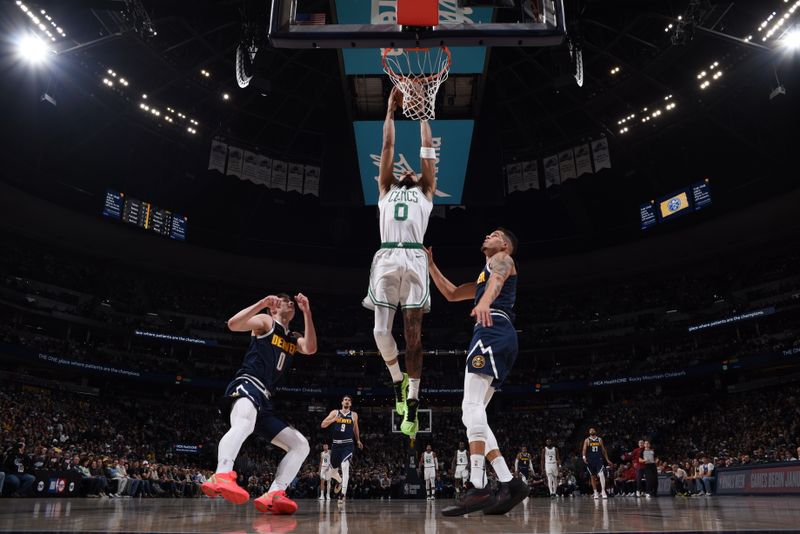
451, 140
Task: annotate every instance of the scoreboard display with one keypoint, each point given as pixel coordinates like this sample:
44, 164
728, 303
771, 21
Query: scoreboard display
145, 215
686, 200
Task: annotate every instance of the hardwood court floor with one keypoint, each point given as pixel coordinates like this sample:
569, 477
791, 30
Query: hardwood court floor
718, 514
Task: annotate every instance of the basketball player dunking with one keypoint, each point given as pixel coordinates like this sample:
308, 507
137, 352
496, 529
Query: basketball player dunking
492, 353
523, 464
324, 474
594, 452
551, 463
344, 430
428, 463
248, 397
399, 274
461, 467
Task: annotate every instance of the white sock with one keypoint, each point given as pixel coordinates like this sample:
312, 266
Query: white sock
413, 388
297, 449
478, 463
602, 476
243, 421
394, 370
501, 469
335, 476
345, 476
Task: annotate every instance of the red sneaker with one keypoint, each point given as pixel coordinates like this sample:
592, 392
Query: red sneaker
225, 484
276, 502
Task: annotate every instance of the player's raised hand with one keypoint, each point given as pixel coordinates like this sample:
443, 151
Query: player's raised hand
482, 314
302, 303
271, 301
395, 99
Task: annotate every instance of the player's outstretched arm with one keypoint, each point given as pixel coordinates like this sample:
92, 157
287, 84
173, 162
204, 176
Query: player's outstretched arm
249, 319
308, 342
328, 421
427, 160
386, 175
448, 289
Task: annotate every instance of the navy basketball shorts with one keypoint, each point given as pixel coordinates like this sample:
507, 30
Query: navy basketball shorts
341, 454
595, 466
268, 425
493, 350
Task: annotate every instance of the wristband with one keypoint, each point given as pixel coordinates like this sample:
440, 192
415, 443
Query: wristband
427, 152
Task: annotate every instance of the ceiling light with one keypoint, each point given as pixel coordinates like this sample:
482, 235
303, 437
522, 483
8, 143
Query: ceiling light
32, 49
226, 96
792, 39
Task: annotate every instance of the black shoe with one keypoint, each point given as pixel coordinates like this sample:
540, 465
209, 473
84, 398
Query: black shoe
474, 500
508, 496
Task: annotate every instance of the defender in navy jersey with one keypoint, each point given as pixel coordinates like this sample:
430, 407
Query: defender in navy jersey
345, 435
491, 355
248, 398
594, 452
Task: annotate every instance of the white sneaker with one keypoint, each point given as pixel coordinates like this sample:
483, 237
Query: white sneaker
596, 495
708, 494
433, 497
327, 497
605, 496
638, 493
428, 498
648, 496
321, 498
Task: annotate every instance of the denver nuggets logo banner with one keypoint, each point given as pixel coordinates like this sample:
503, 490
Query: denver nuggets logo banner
451, 141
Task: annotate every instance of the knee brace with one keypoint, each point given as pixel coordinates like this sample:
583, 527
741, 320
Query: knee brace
386, 344
474, 418
491, 441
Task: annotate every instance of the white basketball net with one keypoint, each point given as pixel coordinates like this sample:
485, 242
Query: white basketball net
417, 73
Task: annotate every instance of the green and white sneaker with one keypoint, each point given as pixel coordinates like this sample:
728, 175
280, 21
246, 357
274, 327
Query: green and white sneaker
400, 395
410, 423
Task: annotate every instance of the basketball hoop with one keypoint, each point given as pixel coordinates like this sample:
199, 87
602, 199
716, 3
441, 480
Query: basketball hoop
417, 73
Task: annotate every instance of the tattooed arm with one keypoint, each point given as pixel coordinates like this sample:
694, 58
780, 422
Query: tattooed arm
502, 266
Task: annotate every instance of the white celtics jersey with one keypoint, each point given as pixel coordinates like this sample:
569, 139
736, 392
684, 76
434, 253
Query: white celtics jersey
428, 460
325, 459
404, 215
462, 458
550, 456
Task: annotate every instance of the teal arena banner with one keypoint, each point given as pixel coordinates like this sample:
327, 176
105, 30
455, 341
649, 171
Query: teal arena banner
466, 60
451, 140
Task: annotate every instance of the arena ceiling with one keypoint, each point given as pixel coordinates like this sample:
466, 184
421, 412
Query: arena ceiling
301, 106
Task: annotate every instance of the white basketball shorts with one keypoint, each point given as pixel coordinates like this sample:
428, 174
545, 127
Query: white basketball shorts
399, 277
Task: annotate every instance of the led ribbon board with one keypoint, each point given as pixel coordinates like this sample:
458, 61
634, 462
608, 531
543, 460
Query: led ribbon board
451, 140
466, 60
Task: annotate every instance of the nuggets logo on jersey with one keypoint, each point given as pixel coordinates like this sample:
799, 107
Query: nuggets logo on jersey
283, 344
478, 362
481, 278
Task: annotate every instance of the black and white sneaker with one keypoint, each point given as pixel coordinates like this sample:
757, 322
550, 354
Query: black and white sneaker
474, 500
508, 496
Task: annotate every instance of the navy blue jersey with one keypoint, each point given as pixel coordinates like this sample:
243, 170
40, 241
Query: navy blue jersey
508, 294
269, 356
342, 428
593, 449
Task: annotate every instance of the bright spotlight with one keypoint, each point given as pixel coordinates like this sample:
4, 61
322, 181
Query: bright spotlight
32, 49
226, 96
792, 39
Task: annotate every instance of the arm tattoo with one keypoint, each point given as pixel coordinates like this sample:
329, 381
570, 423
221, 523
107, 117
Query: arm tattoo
501, 269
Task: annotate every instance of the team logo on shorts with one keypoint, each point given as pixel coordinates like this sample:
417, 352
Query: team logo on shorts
478, 362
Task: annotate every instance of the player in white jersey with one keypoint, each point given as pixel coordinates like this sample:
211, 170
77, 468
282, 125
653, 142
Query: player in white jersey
324, 474
551, 463
461, 467
399, 273
429, 463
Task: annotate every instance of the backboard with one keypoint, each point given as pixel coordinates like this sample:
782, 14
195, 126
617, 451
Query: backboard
425, 421
373, 24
